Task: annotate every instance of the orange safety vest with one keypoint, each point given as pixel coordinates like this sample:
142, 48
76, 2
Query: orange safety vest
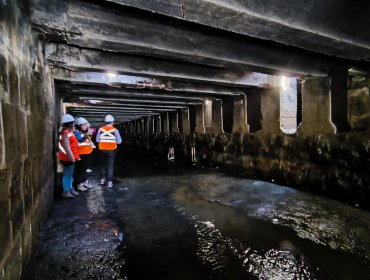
108, 139
73, 142
84, 148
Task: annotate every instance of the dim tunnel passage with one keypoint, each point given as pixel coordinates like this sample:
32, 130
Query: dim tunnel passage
164, 220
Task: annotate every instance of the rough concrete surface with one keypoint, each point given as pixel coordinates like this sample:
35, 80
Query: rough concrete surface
164, 221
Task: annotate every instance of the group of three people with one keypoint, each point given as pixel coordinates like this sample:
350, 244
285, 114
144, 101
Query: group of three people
75, 147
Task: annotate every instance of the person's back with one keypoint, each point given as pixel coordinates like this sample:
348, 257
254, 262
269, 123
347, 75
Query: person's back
108, 137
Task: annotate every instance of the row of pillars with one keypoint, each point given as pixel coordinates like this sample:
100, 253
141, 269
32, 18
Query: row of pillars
323, 110
196, 118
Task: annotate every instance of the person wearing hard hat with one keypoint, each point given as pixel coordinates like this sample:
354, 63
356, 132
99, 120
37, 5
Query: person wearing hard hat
68, 154
85, 148
108, 137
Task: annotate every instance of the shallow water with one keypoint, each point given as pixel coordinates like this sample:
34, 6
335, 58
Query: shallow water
181, 223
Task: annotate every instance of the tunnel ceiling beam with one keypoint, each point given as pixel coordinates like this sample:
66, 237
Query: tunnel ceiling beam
159, 102
100, 79
76, 59
311, 25
97, 91
131, 32
126, 104
149, 95
119, 102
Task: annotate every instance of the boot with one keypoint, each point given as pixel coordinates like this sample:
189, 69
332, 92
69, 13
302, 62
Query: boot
81, 187
102, 181
110, 184
73, 192
67, 195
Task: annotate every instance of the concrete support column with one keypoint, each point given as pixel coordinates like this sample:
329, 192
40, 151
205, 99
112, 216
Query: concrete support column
239, 114
129, 127
142, 125
217, 123
254, 109
174, 121
157, 124
151, 124
227, 114
136, 128
316, 106
288, 105
165, 122
146, 125
199, 119
270, 110
185, 120
359, 103
339, 98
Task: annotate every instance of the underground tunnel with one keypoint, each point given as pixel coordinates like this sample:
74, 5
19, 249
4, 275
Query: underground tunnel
245, 139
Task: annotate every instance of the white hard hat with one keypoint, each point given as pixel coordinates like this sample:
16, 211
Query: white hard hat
81, 120
109, 118
67, 118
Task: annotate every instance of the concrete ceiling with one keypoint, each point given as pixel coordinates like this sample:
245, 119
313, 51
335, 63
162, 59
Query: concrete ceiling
137, 58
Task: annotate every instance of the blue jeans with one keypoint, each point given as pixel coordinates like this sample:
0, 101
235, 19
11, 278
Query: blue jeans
68, 177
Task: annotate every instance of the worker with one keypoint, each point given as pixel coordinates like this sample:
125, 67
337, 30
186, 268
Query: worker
68, 154
85, 148
108, 137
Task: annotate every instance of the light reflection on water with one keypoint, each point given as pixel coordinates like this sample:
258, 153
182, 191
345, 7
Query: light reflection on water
239, 247
272, 264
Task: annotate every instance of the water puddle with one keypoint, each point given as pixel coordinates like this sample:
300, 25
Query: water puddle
235, 245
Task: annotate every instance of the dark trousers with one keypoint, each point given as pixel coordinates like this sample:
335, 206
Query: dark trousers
80, 170
107, 164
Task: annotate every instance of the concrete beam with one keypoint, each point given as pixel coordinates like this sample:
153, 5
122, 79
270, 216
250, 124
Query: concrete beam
310, 28
217, 123
147, 94
240, 114
77, 59
185, 120
165, 122
199, 119
174, 122
316, 107
114, 81
112, 30
270, 111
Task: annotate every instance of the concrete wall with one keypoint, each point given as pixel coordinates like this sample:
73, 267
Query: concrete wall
26, 138
333, 165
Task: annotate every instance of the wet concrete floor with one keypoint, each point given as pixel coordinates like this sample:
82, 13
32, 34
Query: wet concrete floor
166, 221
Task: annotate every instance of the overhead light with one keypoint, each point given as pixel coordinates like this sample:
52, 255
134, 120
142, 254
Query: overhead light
111, 75
284, 82
94, 101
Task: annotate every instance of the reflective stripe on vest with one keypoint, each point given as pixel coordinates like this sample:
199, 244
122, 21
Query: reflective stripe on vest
107, 138
62, 154
84, 148
60, 145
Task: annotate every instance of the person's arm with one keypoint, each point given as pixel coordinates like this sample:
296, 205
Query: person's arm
118, 136
67, 147
98, 136
80, 139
